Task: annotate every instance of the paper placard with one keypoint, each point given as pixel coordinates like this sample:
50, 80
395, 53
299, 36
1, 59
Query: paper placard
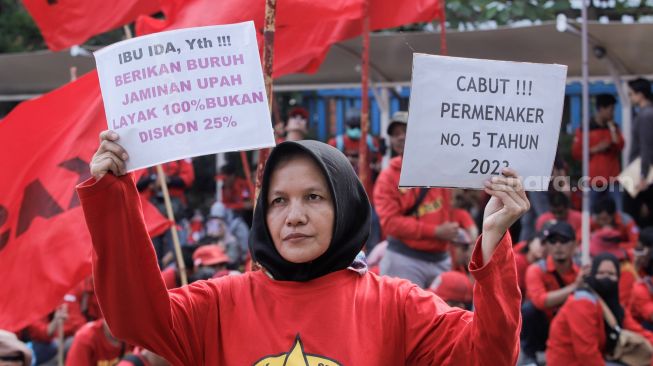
470, 118
185, 93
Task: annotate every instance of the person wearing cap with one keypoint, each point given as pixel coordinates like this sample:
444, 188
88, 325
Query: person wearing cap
210, 261
606, 143
641, 301
348, 143
296, 127
13, 352
307, 303
455, 289
397, 133
549, 282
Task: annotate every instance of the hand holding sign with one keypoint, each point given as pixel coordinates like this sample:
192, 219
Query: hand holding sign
477, 117
109, 157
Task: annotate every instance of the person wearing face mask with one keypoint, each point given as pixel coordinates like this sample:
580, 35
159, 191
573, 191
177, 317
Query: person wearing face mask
348, 143
311, 302
580, 335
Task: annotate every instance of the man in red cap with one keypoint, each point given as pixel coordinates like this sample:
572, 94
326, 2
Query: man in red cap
455, 289
210, 262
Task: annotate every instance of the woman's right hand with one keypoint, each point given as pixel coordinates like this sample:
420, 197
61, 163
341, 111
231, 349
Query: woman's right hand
109, 157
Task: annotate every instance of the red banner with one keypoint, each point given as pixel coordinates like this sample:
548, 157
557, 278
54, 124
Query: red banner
305, 30
65, 23
45, 249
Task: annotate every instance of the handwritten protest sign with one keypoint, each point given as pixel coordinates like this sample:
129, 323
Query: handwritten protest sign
468, 119
185, 93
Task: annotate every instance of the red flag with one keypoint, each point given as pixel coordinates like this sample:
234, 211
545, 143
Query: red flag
305, 30
45, 248
64, 23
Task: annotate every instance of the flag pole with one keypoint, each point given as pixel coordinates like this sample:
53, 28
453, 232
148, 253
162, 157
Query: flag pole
268, 58
363, 161
166, 199
585, 228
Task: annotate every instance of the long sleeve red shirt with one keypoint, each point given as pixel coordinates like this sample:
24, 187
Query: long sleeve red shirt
342, 318
577, 333
417, 231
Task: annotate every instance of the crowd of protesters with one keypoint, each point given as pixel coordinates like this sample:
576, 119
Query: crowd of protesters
426, 236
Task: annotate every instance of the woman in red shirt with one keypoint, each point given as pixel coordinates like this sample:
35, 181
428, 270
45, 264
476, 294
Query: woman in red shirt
312, 302
579, 334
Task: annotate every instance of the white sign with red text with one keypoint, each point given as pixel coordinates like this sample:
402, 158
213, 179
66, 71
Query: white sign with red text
185, 93
469, 119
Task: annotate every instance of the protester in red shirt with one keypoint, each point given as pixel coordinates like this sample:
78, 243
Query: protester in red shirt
311, 220
236, 192
641, 301
143, 357
579, 335
180, 176
297, 125
548, 284
419, 224
606, 143
527, 253
560, 210
95, 345
605, 215
455, 289
348, 143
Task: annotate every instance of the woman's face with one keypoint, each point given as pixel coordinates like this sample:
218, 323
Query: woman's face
607, 270
300, 213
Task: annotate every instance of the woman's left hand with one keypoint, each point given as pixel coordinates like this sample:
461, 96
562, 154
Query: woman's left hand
507, 204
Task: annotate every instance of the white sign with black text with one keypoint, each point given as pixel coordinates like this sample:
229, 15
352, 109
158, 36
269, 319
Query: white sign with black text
469, 118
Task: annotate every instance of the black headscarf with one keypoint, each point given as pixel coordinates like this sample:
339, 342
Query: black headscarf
607, 289
352, 215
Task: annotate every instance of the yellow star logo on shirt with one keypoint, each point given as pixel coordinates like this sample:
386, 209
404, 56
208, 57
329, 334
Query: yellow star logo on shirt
296, 357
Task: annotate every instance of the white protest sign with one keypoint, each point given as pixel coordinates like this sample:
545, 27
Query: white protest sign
185, 93
468, 119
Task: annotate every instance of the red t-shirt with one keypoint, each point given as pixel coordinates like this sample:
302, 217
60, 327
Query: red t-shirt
574, 218
577, 333
236, 196
342, 318
540, 280
641, 301
418, 230
91, 347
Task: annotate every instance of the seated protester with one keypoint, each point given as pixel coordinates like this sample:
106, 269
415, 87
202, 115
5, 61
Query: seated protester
43, 333
419, 225
548, 284
218, 233
604, 214
455, 288
462, 247
143, 357
641, 301
235, 225
170, 274
311, 220
579, 333
236, 191
560, 210
210, 262
527, 253
95, 345
13, 352
607, 240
